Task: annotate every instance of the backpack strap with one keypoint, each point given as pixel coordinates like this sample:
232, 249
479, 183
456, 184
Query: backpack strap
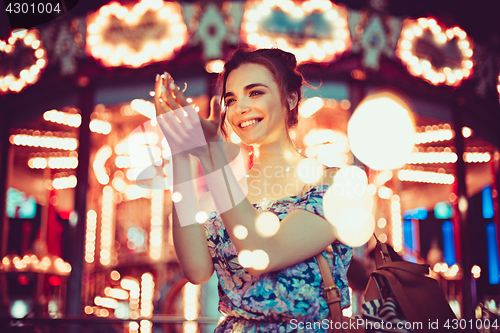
382, 255
331, 292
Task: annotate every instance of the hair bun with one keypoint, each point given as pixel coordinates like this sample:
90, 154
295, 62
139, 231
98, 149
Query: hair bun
288, 59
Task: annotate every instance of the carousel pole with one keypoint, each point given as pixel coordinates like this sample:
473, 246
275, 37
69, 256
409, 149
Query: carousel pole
467, 288
78, 220
6, 158
495, 172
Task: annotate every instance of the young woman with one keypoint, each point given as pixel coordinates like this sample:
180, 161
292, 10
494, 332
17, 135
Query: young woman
261, 91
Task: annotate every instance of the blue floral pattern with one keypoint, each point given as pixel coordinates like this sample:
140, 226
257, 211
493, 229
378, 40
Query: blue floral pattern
275, 301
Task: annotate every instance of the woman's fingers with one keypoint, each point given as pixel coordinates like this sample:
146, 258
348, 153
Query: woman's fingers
160, 109
169, 133
177, 93
168, 92
182, 118
174, 122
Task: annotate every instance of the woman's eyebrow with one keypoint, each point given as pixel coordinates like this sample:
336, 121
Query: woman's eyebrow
247, 87
253, 85
227, 95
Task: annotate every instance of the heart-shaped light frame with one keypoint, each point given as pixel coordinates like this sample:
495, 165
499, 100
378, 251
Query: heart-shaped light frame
172, 33
15, 82
412, 30
314, 49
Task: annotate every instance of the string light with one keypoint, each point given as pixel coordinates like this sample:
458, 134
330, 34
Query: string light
414, 30
63, 182
132, 285
107, 215
426, 176
317, 49
146, 326
446, 271
147, 292
116, 293
15, 82
397, 225
102, 155
105, 302
54, 162
64, 118
146, 108
38, 163
382, 177
445, 156
191, 295
100, 126
31, 263
384, 192
165, 18
477, 157
436, 133
54, 140
90, 236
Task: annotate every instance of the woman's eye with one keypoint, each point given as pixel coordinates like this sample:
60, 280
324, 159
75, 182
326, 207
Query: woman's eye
255, 93
229, 101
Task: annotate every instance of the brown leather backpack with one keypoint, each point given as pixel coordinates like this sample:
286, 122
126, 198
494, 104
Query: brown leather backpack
419, 297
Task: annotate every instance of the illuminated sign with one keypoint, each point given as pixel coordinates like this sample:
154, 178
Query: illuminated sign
436, 54
312, 30
149, 31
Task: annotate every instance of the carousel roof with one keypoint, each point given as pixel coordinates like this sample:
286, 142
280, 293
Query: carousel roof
476, 17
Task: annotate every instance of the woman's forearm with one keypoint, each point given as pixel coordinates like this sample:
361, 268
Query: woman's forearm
230, 199
190, 240
283, 249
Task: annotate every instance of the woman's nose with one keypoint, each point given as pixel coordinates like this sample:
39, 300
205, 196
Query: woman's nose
242, 106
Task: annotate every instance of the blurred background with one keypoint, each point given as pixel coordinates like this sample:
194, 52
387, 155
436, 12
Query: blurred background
406, 91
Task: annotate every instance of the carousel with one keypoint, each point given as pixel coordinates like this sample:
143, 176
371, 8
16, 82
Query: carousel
405, 104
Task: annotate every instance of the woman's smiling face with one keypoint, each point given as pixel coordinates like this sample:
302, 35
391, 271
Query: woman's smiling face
254, 107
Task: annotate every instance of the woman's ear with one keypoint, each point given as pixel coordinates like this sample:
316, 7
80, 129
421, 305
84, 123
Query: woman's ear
293, 99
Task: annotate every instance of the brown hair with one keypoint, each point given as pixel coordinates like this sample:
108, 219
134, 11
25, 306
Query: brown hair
283, 67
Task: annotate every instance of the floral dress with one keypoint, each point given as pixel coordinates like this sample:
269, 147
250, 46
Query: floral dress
287, 300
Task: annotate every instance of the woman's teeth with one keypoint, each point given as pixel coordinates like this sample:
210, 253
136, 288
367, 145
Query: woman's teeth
248, 123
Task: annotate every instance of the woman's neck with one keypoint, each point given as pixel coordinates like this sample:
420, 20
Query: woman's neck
277, 154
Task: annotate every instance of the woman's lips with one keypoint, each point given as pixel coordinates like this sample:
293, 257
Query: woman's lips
248, 124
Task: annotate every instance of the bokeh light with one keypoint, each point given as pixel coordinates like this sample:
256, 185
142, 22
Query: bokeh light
309, 170
355, 226
267, 224
381, 132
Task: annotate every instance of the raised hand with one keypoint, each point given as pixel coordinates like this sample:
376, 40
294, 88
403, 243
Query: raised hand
183, 128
